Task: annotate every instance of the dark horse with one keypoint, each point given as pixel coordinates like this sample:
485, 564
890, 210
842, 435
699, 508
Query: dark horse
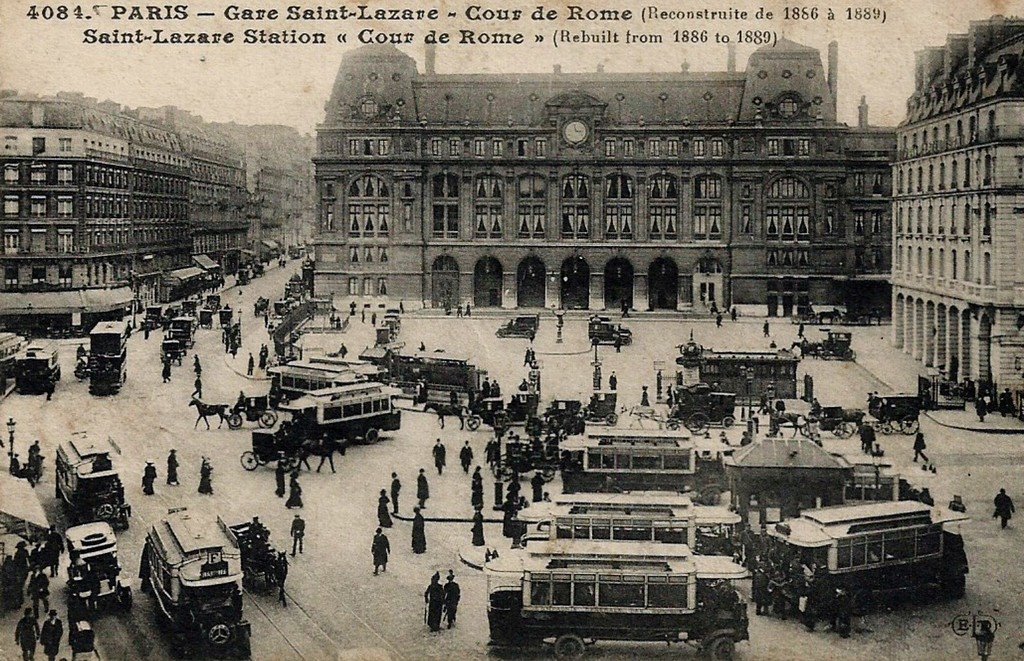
206, 410
787, 419
320, 447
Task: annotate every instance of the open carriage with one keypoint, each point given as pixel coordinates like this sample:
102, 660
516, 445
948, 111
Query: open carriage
252, 409
259, 557
843, 423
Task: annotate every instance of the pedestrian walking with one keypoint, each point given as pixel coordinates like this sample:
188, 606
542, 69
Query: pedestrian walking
281, 575
458, 311
469, 313
252, 365
279, 474
466, 457
383, 517
645, 399
197, 367
419, 532
625, 308
477, 488
373, 319
26, 635
618, 343
422, 489
440, 456
718, 320
294, 492
197, 391
50, 635
1004, 508
206, 477
765, 329
613, 381
433, 602
166, 372
50, 387
148, 478
732, 313
53, 549
39, 590
396, 488
362, 316
381, 549
919, 447
759, 592
981, 408
298, 533
867, 438
452, 596
172, 468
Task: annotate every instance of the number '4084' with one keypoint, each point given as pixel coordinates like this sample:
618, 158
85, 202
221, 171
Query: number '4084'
59, 12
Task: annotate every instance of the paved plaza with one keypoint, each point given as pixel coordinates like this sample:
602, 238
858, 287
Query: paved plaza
338, 609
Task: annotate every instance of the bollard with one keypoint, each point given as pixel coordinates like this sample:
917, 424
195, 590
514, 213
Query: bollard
499, 494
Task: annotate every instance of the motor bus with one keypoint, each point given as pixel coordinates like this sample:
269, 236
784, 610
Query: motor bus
36, 367
644, 516
429, 376
192, 566
749, 374
578, 592
348, 413
87, 482
611, 460
108, 354
10, 346
303, 377
880, 552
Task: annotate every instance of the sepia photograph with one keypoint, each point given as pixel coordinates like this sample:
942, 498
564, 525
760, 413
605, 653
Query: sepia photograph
716, 308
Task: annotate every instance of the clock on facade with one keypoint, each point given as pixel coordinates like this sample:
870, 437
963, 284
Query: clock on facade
575, 132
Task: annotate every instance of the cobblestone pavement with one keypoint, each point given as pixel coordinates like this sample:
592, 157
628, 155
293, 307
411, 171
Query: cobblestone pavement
339, 609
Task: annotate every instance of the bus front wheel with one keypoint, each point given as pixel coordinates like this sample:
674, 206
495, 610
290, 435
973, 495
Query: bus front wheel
720, 648
569, 646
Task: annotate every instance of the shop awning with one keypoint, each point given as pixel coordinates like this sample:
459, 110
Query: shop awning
204, 262
21, 514
270, 243
185, 274
64, 302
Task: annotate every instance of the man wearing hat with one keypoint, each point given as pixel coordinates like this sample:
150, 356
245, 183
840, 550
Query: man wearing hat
452, 595
172, 466
26, 634
50, 635
148, 478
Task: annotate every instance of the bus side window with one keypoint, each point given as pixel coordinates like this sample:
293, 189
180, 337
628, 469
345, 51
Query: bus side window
677, 461
540, 590
615, 591
561, 591
601, 529
581, 529
661, 594
929, 540
583, 590
563, 529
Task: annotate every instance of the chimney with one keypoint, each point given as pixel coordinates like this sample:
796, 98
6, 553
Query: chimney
730, 62
430, 58
558, 68
833, 71
862, 113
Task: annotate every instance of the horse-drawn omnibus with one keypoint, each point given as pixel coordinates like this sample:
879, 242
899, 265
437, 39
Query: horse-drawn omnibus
644, 516
749, 374
108, 354
883, 551
302, 377
611, 460
346, 414
576, 592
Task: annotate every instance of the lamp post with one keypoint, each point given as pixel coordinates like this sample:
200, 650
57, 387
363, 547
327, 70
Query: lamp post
659, 368
597, 369
560, 316
10, 438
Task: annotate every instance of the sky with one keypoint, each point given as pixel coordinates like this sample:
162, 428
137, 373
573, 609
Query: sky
289, 84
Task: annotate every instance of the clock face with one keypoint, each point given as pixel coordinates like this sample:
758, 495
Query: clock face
575, 132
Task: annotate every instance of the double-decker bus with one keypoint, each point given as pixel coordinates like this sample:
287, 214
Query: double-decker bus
641, 516
612, 460
302, 377
877, 552
749, 374
430, 376
356, 411
578, 591
108, 354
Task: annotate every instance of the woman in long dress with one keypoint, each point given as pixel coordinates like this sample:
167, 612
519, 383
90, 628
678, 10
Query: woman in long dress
478, 528
206, 477
419, 535
383, 516
294, 493
433, 597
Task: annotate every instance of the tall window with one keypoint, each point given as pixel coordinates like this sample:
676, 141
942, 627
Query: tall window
487, 193
369, 206
663, 201
575, 206
10, 174
11, 205
65, 240
445, 190
707, 210
788, 213
64, 174
618, 207
531, 201
858, 223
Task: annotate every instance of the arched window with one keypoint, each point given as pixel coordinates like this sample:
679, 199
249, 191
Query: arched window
575, 206
931, 264
968, 271
942, 263
967, 172
788, 188
953, 266
445, 192
663, 206
967, 218
931, 177
488, 191
942, 175
618, 207
531, 199
986, 268
369, 206
920, 262
954, 174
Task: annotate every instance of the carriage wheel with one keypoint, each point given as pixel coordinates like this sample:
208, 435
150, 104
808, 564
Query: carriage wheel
473, 422
886, 427
249, 461
728, 421
268, 419
697, 423
612, 418
548, 473
372, 435
105, 511
569, 646
844, 430
909, 425
672, 423
235, 421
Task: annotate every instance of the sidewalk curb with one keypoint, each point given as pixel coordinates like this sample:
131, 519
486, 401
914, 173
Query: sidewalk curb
1005, 431
227, 363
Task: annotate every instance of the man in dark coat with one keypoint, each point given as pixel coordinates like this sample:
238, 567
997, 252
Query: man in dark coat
919, 447
281, 575
452, 596
980, 408
298, 534
422, 489
39, 589
433, 598
50, 635
166, 371
148, 478
381, 549
759, 592
396, 488
26, 634
172, 468
279, 474
419, 534
613, 381
440, 456
867, 438
54, 549
537, 482
466, 457
1004, 508
478, 528
477, 489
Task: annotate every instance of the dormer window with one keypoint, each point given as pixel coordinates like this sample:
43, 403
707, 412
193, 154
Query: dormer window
368, 107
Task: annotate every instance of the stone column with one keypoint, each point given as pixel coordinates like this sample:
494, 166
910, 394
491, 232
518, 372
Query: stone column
929, 334
941, 336
509, 290
597, 291
954, 351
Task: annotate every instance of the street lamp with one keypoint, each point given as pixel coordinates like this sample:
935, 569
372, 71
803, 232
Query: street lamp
597, 369
10, 439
